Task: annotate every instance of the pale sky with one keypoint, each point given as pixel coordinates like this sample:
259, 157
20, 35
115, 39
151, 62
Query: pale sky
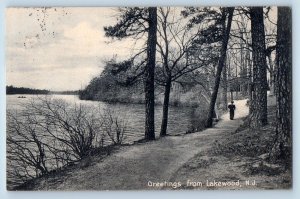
58, 48
61, 48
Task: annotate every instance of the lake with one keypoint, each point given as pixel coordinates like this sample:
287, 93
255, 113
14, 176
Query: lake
180, 118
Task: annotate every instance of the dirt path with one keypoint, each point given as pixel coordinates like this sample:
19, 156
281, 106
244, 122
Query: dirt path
237, 157
157, 161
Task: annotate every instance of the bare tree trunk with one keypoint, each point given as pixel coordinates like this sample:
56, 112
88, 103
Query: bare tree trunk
149, 75
164, 122
226, 31
225, 87
284, 79
250, 82
259, 113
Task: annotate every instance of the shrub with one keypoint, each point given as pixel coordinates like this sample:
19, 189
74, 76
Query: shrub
47, 134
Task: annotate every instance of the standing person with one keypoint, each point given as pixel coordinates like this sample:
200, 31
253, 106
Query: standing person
231, 110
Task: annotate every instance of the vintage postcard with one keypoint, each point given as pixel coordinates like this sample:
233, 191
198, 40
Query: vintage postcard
149, 98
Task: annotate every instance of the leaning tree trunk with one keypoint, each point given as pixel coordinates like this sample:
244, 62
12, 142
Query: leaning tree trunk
284, 79
164, 122
259, 115
149, 75
221, 63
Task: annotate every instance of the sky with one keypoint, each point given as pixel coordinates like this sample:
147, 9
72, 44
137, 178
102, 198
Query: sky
59, 48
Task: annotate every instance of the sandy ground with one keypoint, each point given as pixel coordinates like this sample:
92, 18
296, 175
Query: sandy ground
135, 167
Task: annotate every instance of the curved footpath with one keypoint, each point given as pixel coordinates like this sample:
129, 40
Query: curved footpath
134, 166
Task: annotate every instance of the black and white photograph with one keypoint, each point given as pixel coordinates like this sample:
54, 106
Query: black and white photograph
148, 98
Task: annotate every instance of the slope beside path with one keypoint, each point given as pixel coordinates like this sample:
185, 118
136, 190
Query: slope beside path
133, 167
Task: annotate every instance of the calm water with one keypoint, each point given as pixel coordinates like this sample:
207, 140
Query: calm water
180, 118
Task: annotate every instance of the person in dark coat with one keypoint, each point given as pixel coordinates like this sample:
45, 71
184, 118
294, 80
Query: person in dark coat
231, 110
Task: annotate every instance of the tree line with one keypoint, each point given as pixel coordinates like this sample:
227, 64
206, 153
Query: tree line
10, 90
22, 90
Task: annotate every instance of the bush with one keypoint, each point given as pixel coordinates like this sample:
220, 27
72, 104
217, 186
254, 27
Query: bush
48, 134
114, 126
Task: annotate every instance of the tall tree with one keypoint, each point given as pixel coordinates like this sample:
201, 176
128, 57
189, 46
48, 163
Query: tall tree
284, 79
149, 74
226, 30
260, 84
135, 22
